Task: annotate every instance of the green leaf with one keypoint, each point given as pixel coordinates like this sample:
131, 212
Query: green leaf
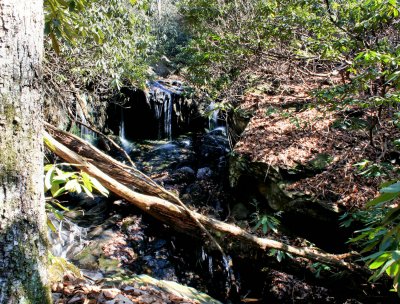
59, 192
378, 262
48, 178
396, 255
391, 215
386, 184
388, 240
73, 186
385, 197
51, 225
99, 187
372, 256
55, 44
370, 246
48, 167
86, 181
257, 225
280, 255
49, 144
87, 191
58, 215
393, 270
54, 188
359, 237
58, 204
378, 274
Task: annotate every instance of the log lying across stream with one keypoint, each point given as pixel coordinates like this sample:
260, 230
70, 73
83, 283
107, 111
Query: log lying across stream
127, 182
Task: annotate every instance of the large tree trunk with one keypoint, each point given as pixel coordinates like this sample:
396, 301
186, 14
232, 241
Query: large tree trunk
23, 253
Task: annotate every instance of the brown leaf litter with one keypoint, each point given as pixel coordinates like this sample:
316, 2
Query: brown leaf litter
290, 129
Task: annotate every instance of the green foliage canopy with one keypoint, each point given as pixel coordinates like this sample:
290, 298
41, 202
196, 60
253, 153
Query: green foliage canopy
101, 39
357, 38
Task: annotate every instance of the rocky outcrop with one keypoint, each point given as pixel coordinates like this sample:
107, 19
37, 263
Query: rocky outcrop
273, 184
161, 112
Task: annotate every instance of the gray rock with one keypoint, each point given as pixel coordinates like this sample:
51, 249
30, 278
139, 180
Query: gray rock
56, 296
186, 170
184, 174
204, 173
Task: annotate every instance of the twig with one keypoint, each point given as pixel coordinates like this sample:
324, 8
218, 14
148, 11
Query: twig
110, 140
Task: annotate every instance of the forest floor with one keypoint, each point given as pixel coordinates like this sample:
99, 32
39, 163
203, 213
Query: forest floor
290, 130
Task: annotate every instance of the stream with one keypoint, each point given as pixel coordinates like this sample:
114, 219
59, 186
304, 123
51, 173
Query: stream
106, 237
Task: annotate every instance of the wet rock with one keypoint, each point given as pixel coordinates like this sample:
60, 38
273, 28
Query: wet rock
194, 192
183, 174
204, 173
76, 299
93, 275
352, 301
238, 121
163, 68
133, 291
212, 147
88, 257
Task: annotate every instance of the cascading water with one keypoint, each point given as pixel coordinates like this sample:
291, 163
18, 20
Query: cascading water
126, 145
168, 116
212, 116
162, 99
86, 133
213, 119
69, 238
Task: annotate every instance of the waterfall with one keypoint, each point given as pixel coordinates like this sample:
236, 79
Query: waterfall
168, 116
162, 100
212, 116
86, 133
214, 124
126, 145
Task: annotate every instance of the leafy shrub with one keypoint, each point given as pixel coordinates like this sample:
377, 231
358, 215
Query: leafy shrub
381, 237
58, 182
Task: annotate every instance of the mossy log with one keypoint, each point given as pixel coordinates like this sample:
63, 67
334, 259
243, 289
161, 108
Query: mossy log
116, 177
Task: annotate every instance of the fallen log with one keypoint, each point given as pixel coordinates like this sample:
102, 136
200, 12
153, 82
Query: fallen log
174, 215
126, 175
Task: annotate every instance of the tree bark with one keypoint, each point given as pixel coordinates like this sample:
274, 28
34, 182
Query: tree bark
23, 233
229, 235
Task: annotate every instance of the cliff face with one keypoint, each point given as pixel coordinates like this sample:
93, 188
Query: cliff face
162, 112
